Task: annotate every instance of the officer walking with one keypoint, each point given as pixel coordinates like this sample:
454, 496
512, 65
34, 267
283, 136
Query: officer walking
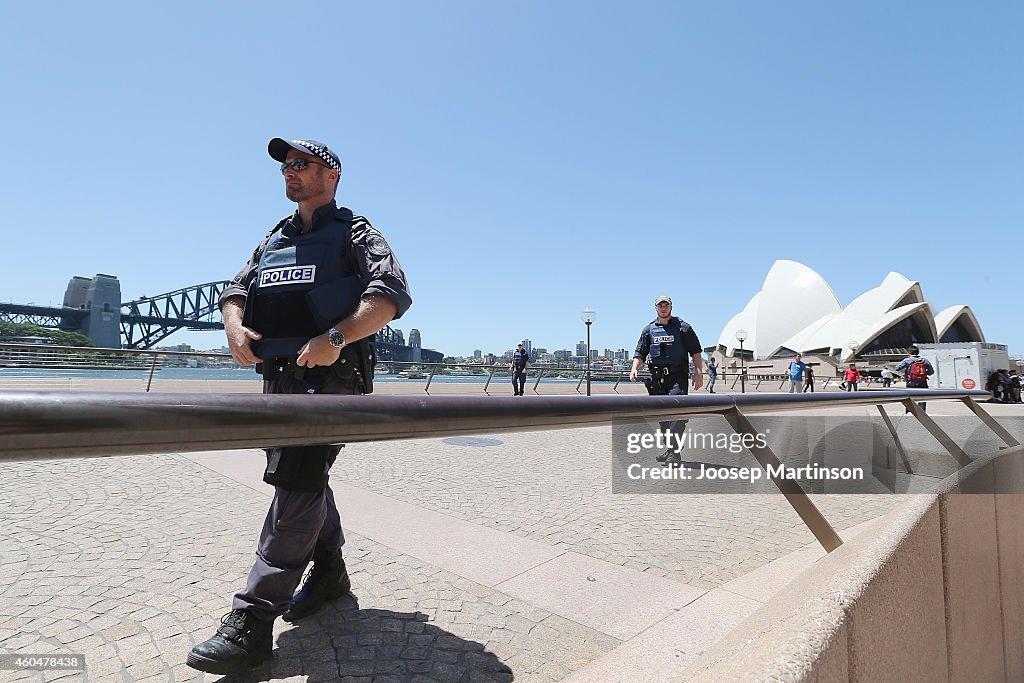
303, 309
668, 343
520, 361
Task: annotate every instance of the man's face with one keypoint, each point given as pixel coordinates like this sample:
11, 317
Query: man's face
798, 357
312, 182
663, 308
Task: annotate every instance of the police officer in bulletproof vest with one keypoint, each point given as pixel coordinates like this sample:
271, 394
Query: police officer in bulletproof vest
668, 343
520, 361
303, 310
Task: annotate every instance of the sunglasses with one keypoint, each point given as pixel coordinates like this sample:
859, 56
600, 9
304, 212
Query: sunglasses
299, 165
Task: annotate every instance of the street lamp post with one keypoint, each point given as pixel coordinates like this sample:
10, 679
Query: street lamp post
741, 336
588, 316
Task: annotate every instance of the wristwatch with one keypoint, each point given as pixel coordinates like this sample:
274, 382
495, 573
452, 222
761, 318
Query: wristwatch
336, 338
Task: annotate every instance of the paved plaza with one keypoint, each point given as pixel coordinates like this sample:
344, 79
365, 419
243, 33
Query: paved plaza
472, 559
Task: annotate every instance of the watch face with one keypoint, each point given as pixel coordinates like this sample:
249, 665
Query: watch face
336, 338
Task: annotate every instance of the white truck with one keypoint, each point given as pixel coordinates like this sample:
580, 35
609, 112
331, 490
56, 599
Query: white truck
964, 365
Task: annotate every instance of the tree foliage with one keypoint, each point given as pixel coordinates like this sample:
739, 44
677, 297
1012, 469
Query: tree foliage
60, 337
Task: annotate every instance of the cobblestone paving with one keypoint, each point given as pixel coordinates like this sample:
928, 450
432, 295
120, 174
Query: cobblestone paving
555, 487
131, 561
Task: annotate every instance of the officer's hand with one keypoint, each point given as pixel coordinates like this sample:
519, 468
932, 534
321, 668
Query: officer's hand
632, 375
698, 380
318, 351
239, 338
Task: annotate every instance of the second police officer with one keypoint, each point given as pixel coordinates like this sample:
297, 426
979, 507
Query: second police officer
303, 310
520, 361
667, 344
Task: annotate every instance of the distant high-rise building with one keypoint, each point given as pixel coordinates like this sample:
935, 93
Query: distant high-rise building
477, 353
490, 359
581, 348
540, 351
414, 338
608, 353
563, 355
593, 354
528, 347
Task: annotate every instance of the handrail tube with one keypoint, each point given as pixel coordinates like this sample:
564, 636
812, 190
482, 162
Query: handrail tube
48, 424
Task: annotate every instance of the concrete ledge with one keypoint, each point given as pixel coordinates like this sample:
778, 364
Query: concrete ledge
933, 591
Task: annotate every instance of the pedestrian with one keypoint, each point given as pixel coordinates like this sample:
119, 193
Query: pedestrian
917, 370
808, 380
1014, 386
851, 376
886, 377
303, 309
796, 370
712, 374
667, 344
520, 361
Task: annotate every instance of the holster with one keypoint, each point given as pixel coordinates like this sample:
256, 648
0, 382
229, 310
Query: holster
657, 383
300, 468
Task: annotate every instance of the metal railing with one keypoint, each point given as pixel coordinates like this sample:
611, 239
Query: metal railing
37, 425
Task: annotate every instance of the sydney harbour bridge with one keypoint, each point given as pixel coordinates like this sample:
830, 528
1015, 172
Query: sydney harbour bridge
93, 307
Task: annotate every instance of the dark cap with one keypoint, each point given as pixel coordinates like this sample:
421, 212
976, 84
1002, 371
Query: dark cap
279, 147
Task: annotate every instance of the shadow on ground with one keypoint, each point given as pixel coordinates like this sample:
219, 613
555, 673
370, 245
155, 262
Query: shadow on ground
344, 642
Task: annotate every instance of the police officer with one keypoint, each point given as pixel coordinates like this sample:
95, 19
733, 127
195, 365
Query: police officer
520, 361
668, 343
303, 310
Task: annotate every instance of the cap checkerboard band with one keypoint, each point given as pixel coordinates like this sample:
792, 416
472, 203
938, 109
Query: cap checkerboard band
319, 151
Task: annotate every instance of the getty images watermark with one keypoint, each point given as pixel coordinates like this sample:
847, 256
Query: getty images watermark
670, 445
705, 455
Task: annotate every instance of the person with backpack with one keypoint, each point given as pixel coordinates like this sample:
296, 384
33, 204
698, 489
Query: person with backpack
808, 380
916, 370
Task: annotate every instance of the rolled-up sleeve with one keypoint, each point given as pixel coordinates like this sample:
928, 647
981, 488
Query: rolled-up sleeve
239, 284
643, 346
379, 267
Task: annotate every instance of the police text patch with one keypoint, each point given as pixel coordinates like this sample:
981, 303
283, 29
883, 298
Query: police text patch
667, 339
377, 246
288, 275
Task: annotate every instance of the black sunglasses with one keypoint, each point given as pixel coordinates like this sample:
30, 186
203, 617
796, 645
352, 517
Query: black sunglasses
300, 164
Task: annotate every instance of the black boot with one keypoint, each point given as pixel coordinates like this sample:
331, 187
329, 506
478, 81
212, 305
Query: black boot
241, 642
327, 580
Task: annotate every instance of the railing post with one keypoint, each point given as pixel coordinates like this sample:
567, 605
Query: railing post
152, 369
617, 380
1000, 431
430, 379
895, 438
935, 430
798, 499
489, 378
537, 383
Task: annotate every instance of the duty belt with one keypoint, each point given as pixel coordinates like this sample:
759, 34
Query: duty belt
272, 367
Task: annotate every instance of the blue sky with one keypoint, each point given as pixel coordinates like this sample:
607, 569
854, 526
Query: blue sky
526, 159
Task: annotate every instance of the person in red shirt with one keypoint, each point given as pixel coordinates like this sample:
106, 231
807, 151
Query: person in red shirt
851, 375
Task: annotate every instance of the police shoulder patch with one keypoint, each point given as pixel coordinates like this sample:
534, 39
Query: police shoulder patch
376, 245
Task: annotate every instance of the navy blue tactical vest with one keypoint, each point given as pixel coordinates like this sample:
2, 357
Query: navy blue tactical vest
519, 359
304, 284
667, 348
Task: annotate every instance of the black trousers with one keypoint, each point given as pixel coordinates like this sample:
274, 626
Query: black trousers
518, 382
302, 515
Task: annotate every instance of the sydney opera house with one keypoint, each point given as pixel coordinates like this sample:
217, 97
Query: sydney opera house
796, 311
